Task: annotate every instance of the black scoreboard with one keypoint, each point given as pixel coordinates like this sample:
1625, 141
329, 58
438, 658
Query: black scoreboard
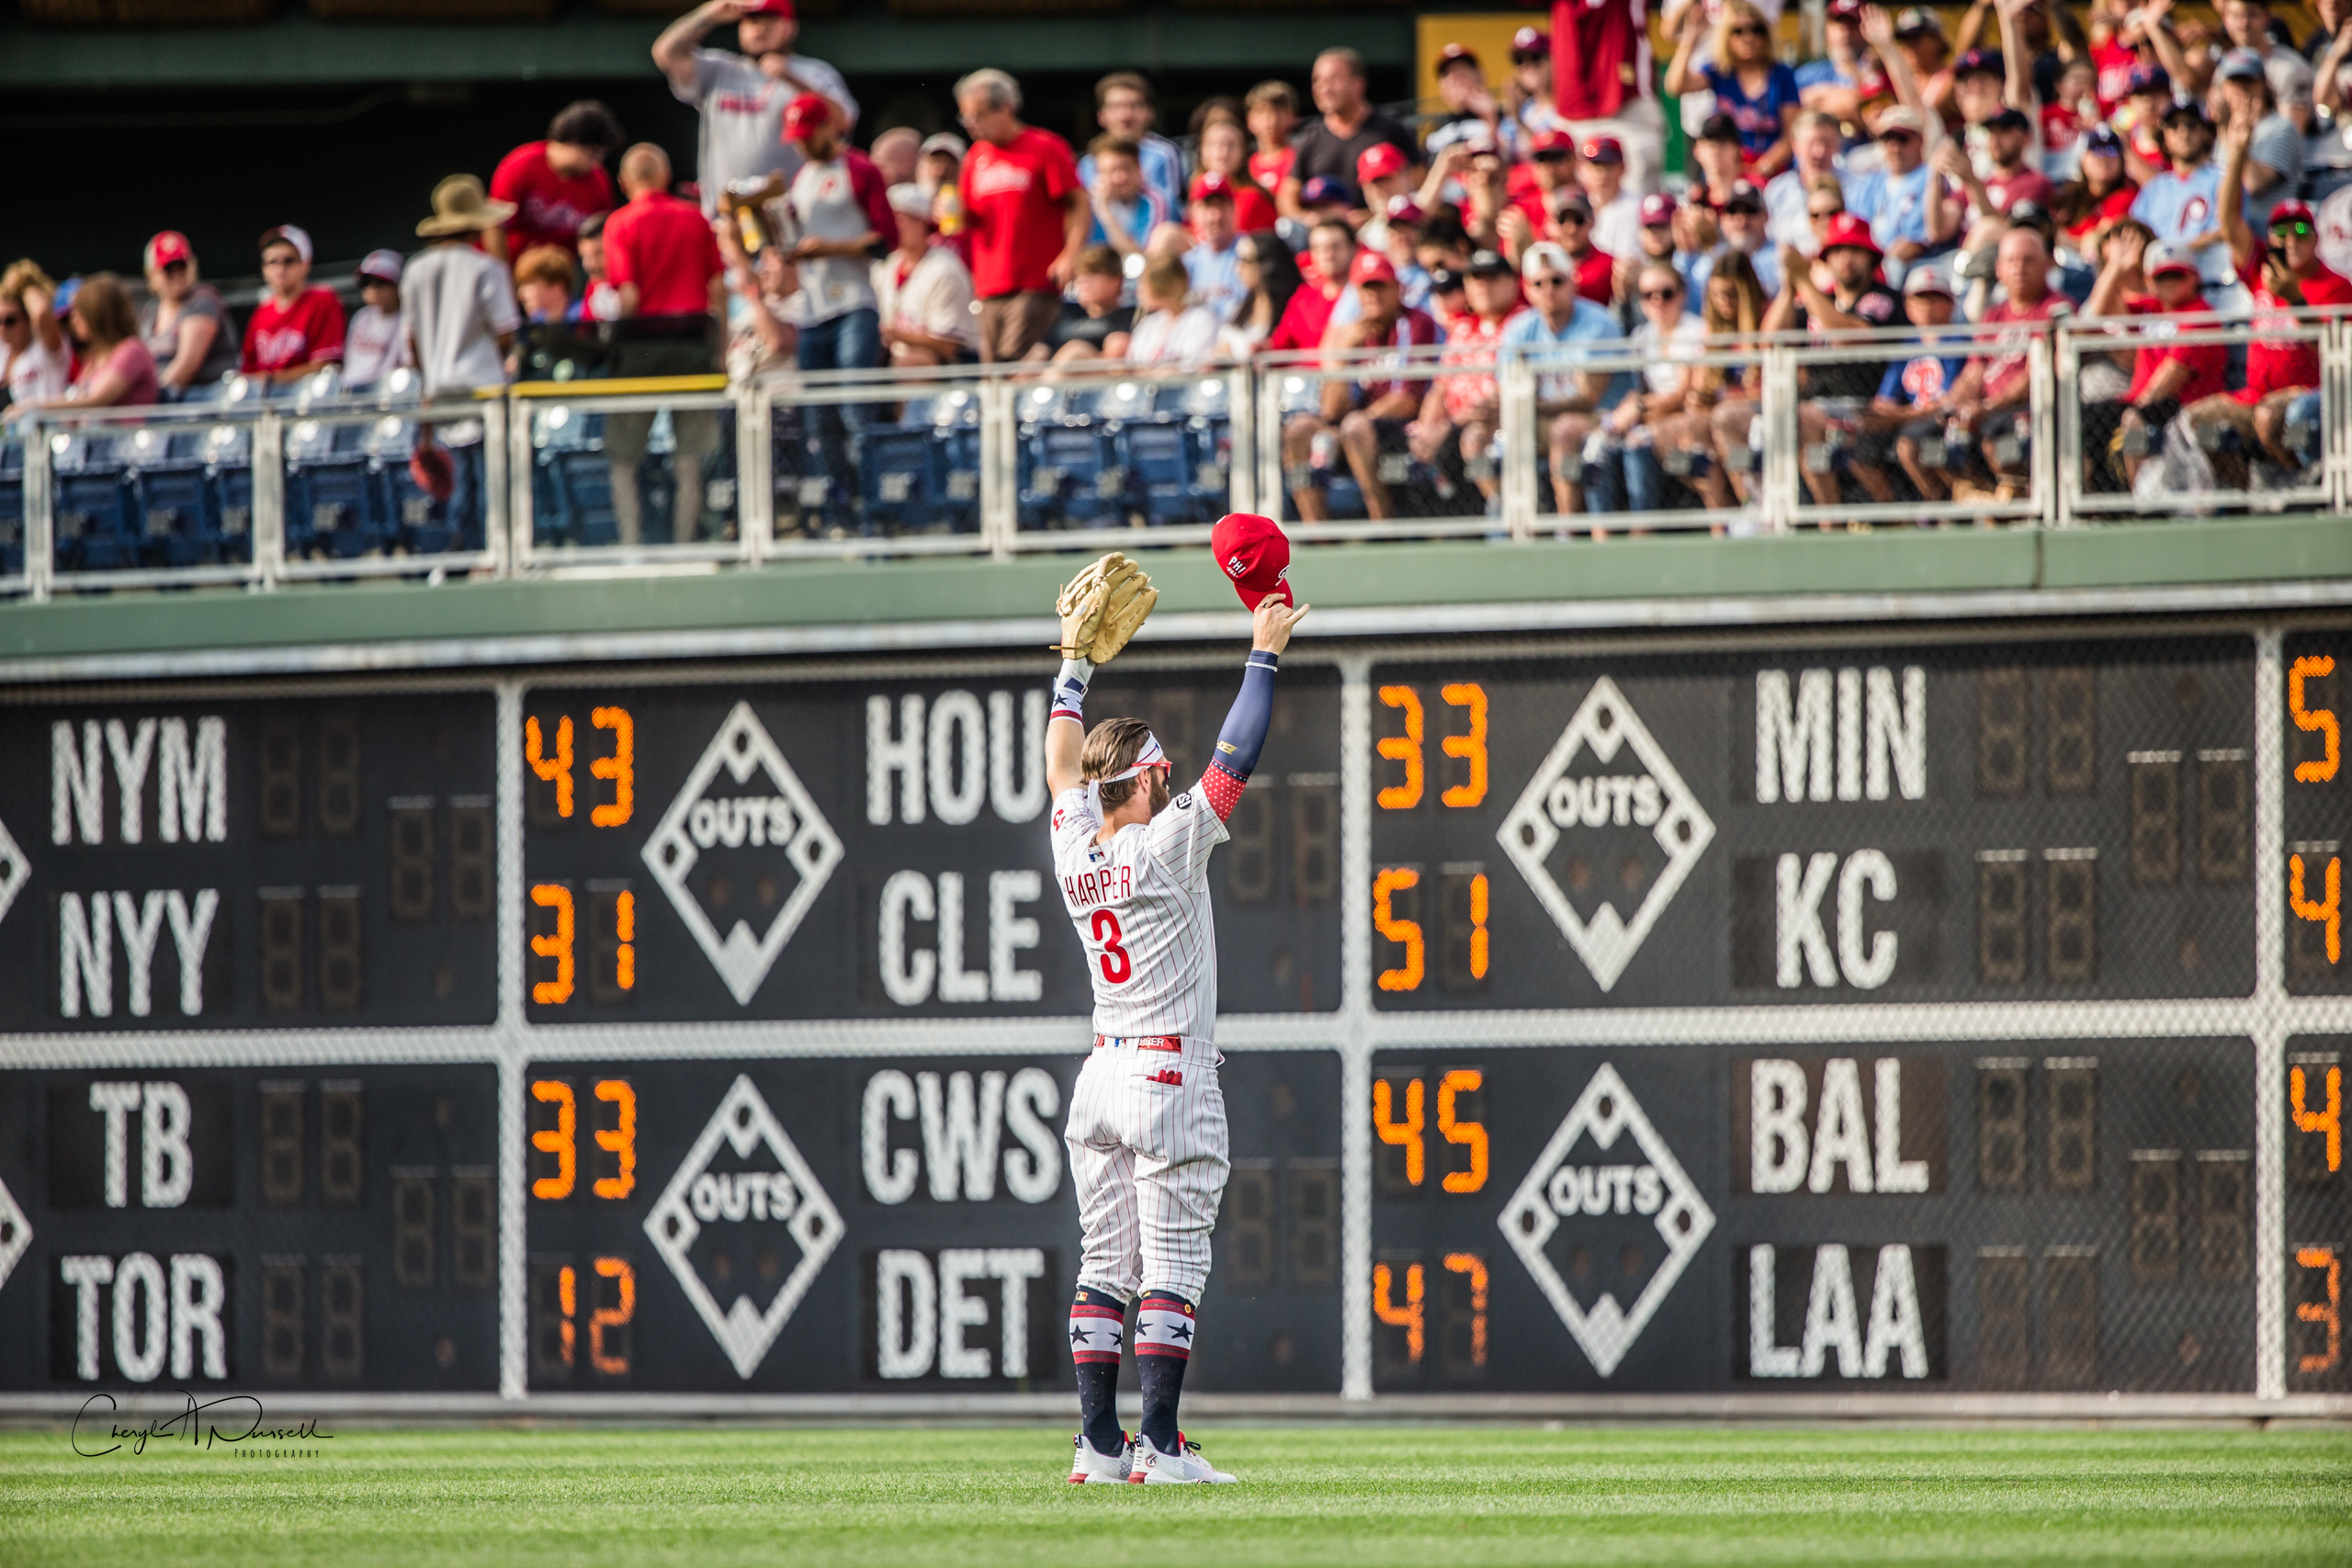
1931, 1008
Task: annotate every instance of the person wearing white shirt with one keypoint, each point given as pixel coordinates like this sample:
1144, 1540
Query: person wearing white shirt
741, 97
1172, 331
1616, 210
923, 291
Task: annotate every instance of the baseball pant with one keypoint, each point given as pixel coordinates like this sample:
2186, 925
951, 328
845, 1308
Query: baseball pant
1148, 1156
1011, 324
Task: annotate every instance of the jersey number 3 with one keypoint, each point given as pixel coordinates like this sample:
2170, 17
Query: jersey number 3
1116, 964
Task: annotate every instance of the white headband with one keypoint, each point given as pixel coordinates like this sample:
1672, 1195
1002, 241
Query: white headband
1151, 756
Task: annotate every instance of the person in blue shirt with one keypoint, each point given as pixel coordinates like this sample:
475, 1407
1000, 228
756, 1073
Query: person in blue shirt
1904, 201
1123, 107
1913, 398
1127, 210
1549, 332
1753, 88
2182, 204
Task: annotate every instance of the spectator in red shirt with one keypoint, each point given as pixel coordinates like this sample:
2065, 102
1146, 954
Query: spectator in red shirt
1997, 379
1028, 213
296, 329
1459, 417
662, 258
1331, 248
1370, 414
2166, 374
2009, 144
556, 185
1272, 108
1572, 230
1222, 150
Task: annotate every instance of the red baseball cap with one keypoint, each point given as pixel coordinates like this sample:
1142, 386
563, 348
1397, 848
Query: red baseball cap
2286, 210
1849, 230
1254, 554
1212, 186
167, 247
1553, 141
1656, 208
1370, 266
770, 8
1531, 41
805, 114
1378, 161
1604, 150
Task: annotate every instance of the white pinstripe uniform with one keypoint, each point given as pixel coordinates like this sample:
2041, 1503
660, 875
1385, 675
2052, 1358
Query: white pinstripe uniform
1146, 1134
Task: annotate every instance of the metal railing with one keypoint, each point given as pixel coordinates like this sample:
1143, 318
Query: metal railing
1763, 436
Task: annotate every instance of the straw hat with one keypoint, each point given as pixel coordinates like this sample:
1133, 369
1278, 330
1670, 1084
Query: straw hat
459, 206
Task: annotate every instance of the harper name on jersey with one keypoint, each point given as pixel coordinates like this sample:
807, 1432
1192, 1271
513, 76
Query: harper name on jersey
1142, 906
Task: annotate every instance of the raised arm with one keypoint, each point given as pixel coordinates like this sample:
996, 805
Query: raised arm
1244, 735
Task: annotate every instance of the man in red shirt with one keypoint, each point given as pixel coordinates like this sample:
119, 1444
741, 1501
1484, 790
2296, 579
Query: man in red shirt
1456, 428
1330, 251
1026, 211
2009, 144
1605, 83
1990, 396
1572, 231
2165, 373
296, 329
662, 258
1370, 414
556, 185
2285, 275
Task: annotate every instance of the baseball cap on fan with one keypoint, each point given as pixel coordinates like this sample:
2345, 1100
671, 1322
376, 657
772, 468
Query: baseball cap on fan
167, 247
770, 8
287, 234
1378, 161
1254, 554
809, 112
2166, 256
1531, 43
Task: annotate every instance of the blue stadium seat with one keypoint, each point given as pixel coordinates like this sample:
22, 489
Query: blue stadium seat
229, 473
420, 525
920, 475
173, 497
1070, 474
335, 508
93, 504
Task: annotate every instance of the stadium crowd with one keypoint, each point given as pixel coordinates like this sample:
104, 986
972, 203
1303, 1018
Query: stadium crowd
1965, 185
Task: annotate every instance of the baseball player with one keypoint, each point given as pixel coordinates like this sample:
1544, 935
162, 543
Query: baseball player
1146, 1129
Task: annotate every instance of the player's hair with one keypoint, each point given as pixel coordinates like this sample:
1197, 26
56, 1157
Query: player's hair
1122, 81
1108, 146
1112, 747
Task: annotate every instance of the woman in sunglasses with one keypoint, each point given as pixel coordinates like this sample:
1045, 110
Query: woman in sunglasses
1655, 424
1750, 84
183, 323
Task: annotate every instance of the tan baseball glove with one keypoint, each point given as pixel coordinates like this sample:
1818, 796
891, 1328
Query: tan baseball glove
1101, 607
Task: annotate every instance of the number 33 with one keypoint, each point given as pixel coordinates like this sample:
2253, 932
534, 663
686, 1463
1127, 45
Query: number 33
1116, 965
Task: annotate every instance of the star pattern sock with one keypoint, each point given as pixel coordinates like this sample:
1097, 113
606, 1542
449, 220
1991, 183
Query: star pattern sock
1163, 1348
1098, 1327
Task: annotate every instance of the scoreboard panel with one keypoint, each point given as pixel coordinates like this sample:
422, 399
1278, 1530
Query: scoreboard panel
879, 850
249, 864
1722, 1016
317, 1227
1976, 1217
875, 1224
1986, 822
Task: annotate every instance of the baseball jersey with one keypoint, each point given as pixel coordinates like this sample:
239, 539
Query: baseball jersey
1141, 907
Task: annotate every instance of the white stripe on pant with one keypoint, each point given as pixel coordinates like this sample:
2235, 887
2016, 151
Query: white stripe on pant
1149, 1162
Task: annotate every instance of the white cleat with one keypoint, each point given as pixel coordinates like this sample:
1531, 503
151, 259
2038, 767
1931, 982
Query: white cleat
1088, 1467
1150, 1466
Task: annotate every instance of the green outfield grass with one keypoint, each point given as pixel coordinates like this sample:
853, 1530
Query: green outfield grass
1427, 1496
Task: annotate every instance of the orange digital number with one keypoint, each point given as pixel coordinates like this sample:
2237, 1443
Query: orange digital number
1411, 1316
2328, 1119
1478, 927
624, 1283
567, 1290
1405, 933
1405, 1134
618, 1140
1470, 748
1405, 749
1472, 1135
2317, 721
556, 945
2328, 910
619, 769
561, 1140
2329, 1312
1470, 1263
624, 937
555, 768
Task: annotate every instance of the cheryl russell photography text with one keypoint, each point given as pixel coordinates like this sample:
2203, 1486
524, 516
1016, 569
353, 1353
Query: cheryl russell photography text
231, 1421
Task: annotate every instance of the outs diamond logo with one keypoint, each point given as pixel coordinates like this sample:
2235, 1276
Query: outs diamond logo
1575, 805
16, 1233
777, 822
742, 1202
1610, 1205
15, 870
